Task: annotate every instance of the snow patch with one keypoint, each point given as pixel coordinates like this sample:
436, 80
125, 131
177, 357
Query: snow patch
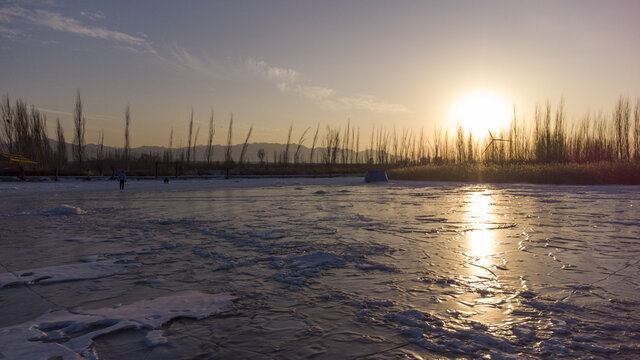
44, 337
155, 338
63, 210
61, 273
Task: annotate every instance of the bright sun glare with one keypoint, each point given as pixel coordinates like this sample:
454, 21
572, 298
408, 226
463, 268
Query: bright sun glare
481, 111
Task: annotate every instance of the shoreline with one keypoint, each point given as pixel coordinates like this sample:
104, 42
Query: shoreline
550, 174
602, 173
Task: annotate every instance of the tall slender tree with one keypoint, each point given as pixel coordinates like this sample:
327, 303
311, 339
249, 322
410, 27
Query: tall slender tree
227, 156
195, 142
245, 145
8, 125
78, 136
189, 139
127, 122
636, 131
61, 151
296, 155
212, 131
313, 144
285, 156
169, 156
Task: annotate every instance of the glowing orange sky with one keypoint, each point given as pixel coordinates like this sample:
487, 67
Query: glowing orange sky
403, 64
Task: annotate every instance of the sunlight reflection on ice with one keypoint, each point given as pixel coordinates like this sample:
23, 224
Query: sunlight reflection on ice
480, 216
482, 289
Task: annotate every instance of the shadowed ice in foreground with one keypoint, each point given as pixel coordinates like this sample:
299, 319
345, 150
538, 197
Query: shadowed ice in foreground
325, 268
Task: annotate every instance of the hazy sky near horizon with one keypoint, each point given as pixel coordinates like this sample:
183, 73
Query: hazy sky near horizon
271, 63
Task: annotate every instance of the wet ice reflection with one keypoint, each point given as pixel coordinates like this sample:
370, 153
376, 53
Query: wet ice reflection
334, 268
479, 220
482, 289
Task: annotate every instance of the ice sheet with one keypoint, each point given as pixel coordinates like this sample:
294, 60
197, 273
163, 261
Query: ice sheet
61, 273
70, 333
334, 268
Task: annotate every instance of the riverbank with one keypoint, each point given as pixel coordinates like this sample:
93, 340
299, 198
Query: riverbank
556, 173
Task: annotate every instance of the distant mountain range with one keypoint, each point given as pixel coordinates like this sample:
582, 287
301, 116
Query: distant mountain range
272, 151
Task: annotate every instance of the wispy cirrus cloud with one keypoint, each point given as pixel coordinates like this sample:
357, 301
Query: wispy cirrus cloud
89, 116
8, 33
186, 59
93, 15
55, 21
293, 82
263, 70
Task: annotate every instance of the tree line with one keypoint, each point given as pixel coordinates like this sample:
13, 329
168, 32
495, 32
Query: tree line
544, 138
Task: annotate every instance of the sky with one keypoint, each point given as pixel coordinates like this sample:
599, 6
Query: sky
403, 64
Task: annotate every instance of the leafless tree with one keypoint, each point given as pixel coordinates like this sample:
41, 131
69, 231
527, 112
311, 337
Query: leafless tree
189, 139
296, 155
195, 143
622, 123
61, 152
227, 156
8, 125
245, 145
636, 130
313, 144
285, 155
261, 155
212, 131
127, 122
78, 136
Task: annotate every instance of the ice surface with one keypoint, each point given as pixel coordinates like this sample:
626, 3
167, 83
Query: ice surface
324, 268
89, 240
64, 210
60, 273
155, 338
69, 334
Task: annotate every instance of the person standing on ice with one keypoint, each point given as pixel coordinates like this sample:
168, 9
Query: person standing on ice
122, 177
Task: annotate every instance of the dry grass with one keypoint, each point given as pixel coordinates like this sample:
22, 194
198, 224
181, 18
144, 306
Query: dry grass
555, 173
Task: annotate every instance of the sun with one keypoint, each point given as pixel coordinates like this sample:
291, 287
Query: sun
481, 111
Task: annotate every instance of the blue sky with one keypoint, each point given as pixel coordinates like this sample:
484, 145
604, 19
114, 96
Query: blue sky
388, 63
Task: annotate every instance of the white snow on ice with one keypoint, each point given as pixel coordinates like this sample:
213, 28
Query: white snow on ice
60, 273
70, 334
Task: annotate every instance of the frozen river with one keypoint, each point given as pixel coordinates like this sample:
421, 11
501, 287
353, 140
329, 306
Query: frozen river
323, 268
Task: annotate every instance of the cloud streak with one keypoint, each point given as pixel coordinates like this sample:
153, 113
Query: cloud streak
185, 59
62, 23
86, 115
293, 82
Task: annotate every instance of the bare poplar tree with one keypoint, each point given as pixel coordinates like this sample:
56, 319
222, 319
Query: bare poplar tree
636, 131
212, 131
296, 155
61, 151
195, 142
313, 144
169, 156
261, 155
127, 121
189, 139
358, 145
245, 145
8, 128
285, 156
100, 151
621, 123
370, 152
78, 136
460, 143
227, 155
